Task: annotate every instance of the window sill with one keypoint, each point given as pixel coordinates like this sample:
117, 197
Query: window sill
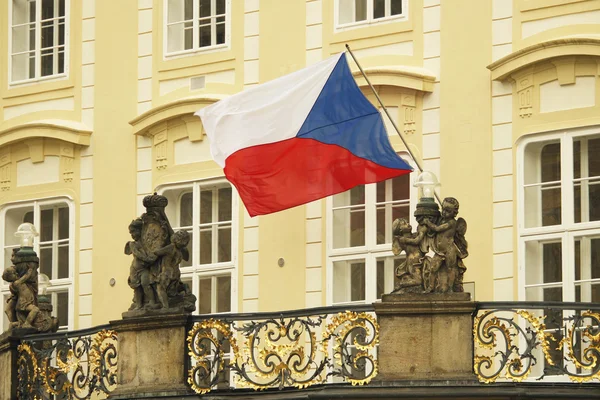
193, 52
367, 23
37, 86
28, 82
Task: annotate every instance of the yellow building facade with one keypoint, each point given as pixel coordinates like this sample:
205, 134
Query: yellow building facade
499, 98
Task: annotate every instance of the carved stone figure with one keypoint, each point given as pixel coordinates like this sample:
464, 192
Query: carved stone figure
22, 308
434, 253
157, 252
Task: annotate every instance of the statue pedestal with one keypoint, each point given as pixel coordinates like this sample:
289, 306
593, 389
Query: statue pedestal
426, 337
152, 357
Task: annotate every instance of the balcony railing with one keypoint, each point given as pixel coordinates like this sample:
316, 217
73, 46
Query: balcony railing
284, 349
68, 365
553, 341
513, 342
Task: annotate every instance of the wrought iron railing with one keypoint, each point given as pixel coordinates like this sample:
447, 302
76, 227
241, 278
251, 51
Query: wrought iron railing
286, 349
69, 365
515, 341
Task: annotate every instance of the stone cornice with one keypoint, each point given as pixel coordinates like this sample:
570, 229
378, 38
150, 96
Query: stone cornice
415, 78
565, 46
67, 131
185, 106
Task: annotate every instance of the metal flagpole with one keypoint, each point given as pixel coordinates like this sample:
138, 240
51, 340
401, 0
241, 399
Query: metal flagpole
389, 117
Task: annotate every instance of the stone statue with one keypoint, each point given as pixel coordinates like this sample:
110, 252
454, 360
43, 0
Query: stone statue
154, 273
22, 308
434, 254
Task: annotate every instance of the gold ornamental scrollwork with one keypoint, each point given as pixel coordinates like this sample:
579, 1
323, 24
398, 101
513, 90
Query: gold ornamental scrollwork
283, 352
77, 367
508, 341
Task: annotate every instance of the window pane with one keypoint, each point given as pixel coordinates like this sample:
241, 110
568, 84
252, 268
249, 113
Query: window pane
47, 9
204, 36
176, 37
46, 261
22, 39
46, 225
587, 292
378, 8
23, 67
225, 204
220, 33
206, 197
349, 227
13, 218
185, 210
176, 10
386, 274
61, 8
205, 296
586, 171
224, 244
349, 281
61, 309
361, 10
63, 223
47, 34
542, 205
386, 214
346, 8
396, 7
223, 294
47, 64
206, 246
205, 10
352, 197
544, 262
22, 11
550, 162
63, 261
587, 258
220, 7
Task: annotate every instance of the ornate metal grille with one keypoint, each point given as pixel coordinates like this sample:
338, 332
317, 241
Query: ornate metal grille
74, 365
278, 350
517, 340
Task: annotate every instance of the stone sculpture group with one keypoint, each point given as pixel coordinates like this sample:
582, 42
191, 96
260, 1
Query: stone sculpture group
434, 253
157, 251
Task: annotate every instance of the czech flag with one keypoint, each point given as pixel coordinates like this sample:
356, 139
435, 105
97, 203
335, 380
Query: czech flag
299, 138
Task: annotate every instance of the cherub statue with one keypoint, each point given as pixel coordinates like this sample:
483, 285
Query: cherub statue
449, 246
410, 272
169, 277
140, 277
22, 301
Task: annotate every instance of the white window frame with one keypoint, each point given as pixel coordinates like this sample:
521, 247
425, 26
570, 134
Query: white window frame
197, 271
38, 49
369, 21
195, 49
371, 251
57, 285
568, 230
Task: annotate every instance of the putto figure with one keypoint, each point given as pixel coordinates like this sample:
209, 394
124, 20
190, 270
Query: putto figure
154, 273
434, 253
22, 308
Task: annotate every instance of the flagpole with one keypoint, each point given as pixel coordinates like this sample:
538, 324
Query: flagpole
389, 116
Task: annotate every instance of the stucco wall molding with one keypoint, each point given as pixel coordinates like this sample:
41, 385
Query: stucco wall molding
415, 78
67, 131
186, 106
530, 55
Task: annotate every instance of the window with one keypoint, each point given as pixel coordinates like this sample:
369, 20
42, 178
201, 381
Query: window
54, 246
360, 236
38, 36
560, 218
355, 12
195, 25
205, 210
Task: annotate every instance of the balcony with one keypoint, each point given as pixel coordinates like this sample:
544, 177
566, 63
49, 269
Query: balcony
520, 349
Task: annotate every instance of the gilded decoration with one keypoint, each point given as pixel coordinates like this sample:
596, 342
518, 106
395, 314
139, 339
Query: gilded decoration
509, 344
79, 367
283, 352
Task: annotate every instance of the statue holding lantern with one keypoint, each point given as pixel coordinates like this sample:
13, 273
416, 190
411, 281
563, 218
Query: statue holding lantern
25, 309
435, 252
